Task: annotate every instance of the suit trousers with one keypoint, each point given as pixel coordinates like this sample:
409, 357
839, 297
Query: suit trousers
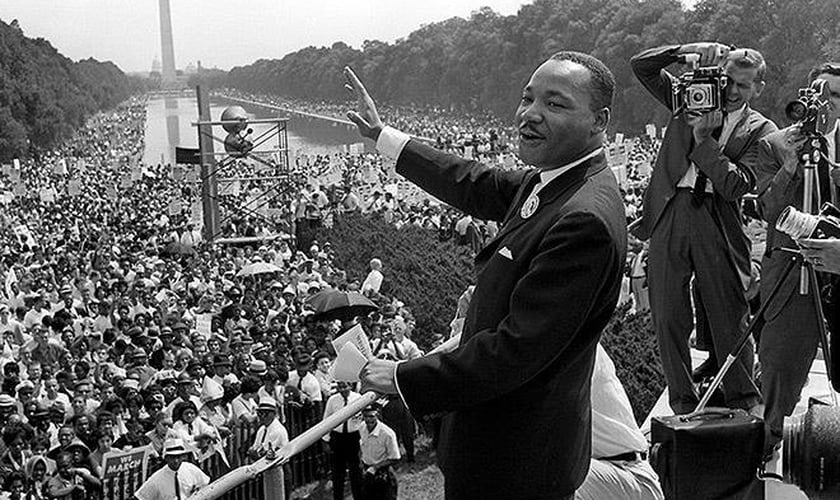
687, 241
787, 348
345, 458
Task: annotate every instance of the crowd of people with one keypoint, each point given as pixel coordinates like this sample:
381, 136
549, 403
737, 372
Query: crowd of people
122, 328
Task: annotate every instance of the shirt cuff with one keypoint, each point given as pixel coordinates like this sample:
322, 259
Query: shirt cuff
397, 385
391, 142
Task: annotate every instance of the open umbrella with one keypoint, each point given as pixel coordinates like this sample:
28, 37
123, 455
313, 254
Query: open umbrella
344, 306
258, 268
177, 248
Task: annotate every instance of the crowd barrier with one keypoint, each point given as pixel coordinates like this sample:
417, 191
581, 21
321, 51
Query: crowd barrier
129, 469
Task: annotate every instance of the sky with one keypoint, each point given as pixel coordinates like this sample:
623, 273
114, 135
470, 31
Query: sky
225, 33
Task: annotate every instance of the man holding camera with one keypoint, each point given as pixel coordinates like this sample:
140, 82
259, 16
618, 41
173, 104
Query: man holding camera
692, 213
790, 336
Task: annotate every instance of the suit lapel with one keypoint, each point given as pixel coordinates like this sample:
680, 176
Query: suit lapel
557, 192
739, 139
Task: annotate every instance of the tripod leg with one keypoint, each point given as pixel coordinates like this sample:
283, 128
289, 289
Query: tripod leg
756, 322
824, 341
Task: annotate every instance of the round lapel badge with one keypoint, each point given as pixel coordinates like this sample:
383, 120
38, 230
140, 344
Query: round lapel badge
530, 206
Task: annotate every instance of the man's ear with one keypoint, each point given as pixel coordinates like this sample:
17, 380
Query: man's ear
759, 87
602, 120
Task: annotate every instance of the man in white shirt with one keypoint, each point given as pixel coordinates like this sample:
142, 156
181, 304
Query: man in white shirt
373, 281
178, 480
271, 435
379, 452
618, 468
305, 381
344, 443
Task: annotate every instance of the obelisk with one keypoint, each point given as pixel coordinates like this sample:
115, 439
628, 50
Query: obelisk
168, 78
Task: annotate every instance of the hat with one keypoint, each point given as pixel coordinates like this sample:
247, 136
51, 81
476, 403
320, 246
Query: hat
138, 353
131, 383
180, 325
165, 376
174, 447
78, 443
185, 378
304, 359
267, 404
289, 290
65, 290
26, 384
221, 360
314, 284
134, 331
211, 390
258, 367
6, 401
165, 331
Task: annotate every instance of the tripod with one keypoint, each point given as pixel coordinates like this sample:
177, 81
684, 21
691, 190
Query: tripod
808, 284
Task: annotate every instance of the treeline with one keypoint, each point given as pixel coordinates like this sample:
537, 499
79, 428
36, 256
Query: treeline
44, 96
482, 63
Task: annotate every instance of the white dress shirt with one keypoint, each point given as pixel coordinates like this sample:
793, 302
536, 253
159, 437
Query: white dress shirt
336, 403
275, 435
161, 484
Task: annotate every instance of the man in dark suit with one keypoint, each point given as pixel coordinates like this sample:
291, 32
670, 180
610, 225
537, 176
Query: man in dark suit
516, 390
692, 216
790, 337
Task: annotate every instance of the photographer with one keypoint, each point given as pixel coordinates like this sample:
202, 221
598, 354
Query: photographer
790, 337
691, 212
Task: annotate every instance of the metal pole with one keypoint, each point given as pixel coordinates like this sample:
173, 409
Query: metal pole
209, 186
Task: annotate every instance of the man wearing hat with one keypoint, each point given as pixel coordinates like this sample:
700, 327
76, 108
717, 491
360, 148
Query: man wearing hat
178, 480
222, 366
304, 380
167, 336
271, 435
185, 392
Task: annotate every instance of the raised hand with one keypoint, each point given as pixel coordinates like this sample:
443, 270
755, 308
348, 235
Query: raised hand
366, 118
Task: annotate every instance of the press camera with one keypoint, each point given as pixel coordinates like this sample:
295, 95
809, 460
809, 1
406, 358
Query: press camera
702, 89
811, 110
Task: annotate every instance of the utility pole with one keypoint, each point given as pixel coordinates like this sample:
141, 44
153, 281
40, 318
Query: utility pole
209, 183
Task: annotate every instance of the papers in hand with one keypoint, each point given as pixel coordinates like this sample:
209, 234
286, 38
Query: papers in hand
357, 337
349, 363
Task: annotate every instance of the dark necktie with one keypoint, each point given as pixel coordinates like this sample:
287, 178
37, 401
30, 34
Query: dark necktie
344, 427
190, 428
699, 189
177, 487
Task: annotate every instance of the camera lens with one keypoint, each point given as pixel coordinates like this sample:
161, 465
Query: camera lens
812, 451
796, 110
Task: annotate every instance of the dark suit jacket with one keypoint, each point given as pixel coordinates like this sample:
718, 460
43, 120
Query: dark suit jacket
517, 388
732, 173
778, 189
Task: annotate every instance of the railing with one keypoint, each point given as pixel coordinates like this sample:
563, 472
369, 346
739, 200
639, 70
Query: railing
304, 468
270, 473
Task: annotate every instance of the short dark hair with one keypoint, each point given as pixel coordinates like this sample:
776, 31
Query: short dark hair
601, 82
826, 68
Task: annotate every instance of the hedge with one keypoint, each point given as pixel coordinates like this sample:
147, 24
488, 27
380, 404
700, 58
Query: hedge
429, 275
426, 274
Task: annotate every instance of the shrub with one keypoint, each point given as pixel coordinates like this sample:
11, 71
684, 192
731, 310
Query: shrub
630, 341
426, 274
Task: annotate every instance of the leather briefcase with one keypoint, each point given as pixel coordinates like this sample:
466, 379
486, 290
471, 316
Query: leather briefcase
711, 455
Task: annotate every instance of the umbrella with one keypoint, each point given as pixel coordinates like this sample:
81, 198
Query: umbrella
258, 268
344, 306
177, 248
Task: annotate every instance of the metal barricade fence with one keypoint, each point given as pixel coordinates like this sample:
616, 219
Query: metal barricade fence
305, 468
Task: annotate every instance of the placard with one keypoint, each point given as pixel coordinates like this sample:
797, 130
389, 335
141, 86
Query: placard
175, 207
